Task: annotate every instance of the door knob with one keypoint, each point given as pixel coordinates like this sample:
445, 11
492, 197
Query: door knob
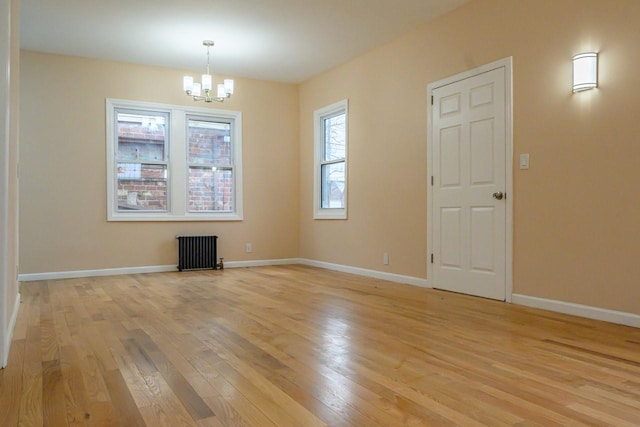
498, 195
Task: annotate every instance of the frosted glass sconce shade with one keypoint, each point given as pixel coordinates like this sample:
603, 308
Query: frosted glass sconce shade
585, 71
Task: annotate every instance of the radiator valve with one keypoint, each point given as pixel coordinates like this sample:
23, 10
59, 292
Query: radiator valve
220, 264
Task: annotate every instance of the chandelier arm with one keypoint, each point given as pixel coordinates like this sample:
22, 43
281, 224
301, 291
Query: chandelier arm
207, 98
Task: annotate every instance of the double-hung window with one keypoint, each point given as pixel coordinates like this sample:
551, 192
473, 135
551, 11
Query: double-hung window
210, 162
330, 183
172, 163
141, 160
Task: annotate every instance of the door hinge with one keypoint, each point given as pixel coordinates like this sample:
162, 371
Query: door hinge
431, 258
432, 180
431, 99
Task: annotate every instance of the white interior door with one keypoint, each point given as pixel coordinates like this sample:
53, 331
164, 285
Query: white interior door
469, 185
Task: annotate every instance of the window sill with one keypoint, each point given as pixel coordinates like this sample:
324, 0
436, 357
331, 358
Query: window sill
139, 216
330, 214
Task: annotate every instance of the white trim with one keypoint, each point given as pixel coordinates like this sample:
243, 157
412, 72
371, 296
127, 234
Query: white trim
261, 262
505, 63
580, 310
318, 116
398, 278
4, 356
144, 269
29, 277
391, 277
5, 69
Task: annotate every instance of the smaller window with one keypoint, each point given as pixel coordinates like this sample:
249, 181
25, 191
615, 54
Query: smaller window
330, 183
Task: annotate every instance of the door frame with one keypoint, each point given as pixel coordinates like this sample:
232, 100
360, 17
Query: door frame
505, 63
5, 53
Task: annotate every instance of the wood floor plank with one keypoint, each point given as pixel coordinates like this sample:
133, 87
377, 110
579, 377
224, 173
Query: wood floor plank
49, 342
293, 407
300, 346
126, 411
160, 414
210, 422
230, 395
183, 390
226, 414
53, 401
167, 403
31, 400
76, 397
11, 386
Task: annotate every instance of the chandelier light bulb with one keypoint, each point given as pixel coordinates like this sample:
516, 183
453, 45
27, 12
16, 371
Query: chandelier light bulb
187, 84
197, 90
206, 82
228, 86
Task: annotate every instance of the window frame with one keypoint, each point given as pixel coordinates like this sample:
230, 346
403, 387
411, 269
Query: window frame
178, 162
319, 117
216, 166
162, 162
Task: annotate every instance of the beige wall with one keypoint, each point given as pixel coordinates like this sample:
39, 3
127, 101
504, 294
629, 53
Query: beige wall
576, 210
63, 186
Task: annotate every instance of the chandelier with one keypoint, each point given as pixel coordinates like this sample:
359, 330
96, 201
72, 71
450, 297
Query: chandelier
202, 91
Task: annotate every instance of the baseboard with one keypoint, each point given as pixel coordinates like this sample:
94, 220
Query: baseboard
260, 262
93, 273
140, 270
397, 278
4, 356
391, 277
587, 311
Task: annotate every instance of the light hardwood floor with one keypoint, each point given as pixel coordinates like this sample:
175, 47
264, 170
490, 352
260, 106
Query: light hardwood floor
299, 346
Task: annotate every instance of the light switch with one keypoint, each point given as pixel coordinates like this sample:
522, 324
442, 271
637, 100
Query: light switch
524, 161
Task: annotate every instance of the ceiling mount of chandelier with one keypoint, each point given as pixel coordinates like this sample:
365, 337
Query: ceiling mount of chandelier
203, 91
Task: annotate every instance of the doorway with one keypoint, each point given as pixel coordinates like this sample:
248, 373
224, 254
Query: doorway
470, 173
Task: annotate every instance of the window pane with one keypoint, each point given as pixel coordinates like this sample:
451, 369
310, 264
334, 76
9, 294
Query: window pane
141, 136
209, 142
142, 187
210, 189
334, 137
333, 185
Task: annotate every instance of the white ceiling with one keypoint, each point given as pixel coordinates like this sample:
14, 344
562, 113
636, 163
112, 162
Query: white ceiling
279, 40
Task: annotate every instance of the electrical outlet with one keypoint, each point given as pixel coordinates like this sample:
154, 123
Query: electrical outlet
249, 247
385, 258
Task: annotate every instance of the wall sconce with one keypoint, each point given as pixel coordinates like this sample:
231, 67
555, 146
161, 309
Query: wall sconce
585, 71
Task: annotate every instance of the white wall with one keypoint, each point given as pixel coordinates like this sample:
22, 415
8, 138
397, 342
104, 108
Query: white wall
9, 71
5, 47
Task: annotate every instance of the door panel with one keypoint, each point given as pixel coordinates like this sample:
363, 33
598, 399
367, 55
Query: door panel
482, 232
469, 166
450, 157
451, 254
481, 156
